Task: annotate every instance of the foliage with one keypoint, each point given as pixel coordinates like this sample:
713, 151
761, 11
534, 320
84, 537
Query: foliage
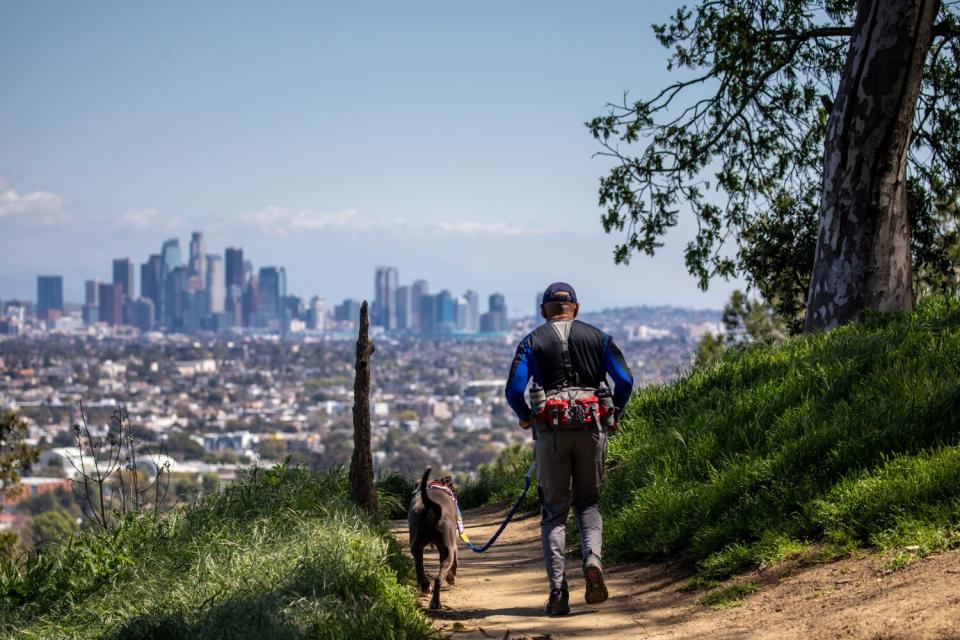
851, 434
745, 322
738, 140
15, 453
499, 481
281, 554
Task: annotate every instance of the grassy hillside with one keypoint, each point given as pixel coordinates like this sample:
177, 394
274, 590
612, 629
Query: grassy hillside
849, 436
281, 554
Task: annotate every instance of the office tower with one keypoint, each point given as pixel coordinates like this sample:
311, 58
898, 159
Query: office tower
91, 302
91, 293
347, 311
198, 259
271, 285
123, 275
404, 308
151, 281
49, 297
234, 267
317, 316
428, 314
473, 310
417, 291
445, 318
462, 314
385, 289
169, 260
174, 298
495, 320
141, 314
498, 307
170, 256
251, 302
111, 303
215, 282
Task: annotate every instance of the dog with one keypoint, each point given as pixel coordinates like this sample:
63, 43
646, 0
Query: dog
432, 519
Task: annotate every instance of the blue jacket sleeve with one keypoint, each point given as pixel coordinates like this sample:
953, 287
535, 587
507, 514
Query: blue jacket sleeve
517, 381
619, 372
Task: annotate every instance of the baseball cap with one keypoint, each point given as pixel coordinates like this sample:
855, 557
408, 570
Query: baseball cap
559, 292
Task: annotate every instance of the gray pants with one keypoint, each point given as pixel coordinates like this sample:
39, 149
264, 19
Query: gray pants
570, 469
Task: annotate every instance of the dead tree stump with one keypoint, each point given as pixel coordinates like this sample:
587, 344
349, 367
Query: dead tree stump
363, 489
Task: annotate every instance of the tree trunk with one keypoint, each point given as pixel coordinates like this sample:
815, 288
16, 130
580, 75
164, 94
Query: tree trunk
863, 257
362, 486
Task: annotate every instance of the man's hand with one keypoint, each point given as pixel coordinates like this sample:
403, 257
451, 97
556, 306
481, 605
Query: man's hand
525, 424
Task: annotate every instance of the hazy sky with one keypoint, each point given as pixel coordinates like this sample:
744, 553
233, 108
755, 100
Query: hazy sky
445, 138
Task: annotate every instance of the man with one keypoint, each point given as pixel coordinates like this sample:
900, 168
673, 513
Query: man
570, 360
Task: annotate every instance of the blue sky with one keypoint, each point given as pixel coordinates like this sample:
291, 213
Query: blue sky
445, 138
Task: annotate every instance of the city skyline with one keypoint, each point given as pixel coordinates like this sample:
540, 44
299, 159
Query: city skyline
192, 294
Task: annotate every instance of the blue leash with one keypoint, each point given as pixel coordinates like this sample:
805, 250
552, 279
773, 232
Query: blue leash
513, 510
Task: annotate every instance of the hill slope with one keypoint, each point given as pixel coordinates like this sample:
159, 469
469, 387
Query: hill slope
849, 436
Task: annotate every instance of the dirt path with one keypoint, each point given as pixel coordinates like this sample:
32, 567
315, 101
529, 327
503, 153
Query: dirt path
505, 589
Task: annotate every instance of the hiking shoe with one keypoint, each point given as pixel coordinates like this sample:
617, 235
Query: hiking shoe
593, 575
559, 602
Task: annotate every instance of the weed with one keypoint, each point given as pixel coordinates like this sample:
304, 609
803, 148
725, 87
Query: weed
730, 596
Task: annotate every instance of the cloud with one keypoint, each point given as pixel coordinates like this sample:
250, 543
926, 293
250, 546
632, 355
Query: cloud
280, 221
147, 220
475, 229
14, 203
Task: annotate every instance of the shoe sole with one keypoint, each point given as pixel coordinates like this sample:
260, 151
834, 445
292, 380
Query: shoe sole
596, 587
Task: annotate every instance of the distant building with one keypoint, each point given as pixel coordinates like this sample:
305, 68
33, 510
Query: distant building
198, 259
473, 311
445, 320
49, 297
151, 281
169, 260
111, 304
141, 313
317, 316
174, 298
404, 308
123, 276
385, 289
418, 289
216, 284
347, 311
272, 287
91, 302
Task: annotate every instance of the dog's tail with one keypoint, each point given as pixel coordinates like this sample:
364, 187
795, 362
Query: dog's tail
424, 496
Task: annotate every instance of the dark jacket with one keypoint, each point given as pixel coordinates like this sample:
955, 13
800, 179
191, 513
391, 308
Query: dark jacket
593, 357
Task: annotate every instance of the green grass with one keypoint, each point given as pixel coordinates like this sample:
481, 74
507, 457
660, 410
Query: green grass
281, 554
730, 596
849, 436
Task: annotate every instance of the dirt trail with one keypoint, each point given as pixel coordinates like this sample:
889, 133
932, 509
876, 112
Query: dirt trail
504, 590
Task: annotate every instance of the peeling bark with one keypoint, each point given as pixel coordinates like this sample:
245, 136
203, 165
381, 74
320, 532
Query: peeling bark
363, 489
863, 260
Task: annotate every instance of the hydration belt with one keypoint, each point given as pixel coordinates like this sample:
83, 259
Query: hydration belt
571, 408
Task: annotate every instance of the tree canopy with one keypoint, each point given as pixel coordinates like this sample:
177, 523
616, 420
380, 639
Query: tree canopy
738, 140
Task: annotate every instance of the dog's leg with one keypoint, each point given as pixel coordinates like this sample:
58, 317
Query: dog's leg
445, 557
452, 575
422, 580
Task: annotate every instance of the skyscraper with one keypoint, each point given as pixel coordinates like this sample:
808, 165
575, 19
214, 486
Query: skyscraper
385, 289
91, 302
198, 259
111, 303
428, 314
174, 297
271, 288
216, 284
473, 310
49, 297
404, 308
417, 291
234, 266
317, 317
445, 313
151, 281
169, 260
495, 320
123, 276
